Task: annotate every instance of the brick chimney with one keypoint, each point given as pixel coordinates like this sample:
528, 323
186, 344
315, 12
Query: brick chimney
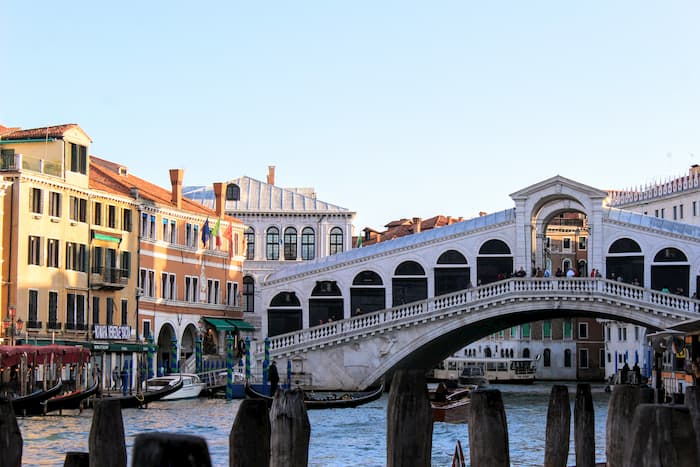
176, 178
219, 199
694, 170
270, 174
417, 221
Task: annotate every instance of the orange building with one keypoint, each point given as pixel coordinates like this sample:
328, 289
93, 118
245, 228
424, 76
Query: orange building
189, 266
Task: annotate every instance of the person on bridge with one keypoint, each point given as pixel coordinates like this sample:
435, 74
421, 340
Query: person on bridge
570, 272
274, 378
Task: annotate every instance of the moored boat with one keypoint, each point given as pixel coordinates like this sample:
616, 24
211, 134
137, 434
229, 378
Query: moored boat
32, 403
141, 399
328, 399
69, 401
192, 386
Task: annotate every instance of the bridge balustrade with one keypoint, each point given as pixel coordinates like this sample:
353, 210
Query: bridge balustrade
513, 287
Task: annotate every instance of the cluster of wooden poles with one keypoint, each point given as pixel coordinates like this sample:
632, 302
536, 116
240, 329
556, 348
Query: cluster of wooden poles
638, 433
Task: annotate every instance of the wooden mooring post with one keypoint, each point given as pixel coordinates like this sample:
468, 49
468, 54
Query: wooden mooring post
107, 444
558, 431
488, 430
249, 439
584, 426
10, 436
409, 421
290, 430
618, 428
170, 449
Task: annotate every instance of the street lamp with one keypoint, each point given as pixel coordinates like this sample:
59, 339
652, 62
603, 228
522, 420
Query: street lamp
9, 323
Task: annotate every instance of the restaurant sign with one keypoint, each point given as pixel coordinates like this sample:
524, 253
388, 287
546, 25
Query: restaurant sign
108, 331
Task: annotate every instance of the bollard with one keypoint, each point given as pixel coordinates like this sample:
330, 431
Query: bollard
171, 449
558, 431
77, 459
692, 401
618, 429
584, 426
107, 444
409, 421
290, 430
10, 436
488, 430
661, 438
249, 440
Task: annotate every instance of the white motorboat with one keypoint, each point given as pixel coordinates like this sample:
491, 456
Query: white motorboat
192, 386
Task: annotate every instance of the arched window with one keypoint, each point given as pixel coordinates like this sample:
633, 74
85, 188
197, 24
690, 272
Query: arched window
494, 247
248, 294
308, 244
285, 299
367, 278
452, 257
250, 244
233, 192
567, 358
670, 255
409, 268
290, 244
487, 352
336, 239
624, 245
272, 251
547, 358
526, 353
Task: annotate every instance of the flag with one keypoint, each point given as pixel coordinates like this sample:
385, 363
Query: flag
216, 232
359, 241
228, 234
205, 232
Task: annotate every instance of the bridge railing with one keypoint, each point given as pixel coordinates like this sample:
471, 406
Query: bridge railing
554, 286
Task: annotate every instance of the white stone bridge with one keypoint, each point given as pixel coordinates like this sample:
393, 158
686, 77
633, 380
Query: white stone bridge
357, 352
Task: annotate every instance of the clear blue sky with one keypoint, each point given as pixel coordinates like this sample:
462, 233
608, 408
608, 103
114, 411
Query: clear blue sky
389, 108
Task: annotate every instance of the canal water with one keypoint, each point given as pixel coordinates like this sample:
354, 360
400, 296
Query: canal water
339, 437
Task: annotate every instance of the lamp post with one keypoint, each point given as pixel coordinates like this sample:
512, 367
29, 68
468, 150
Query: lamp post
9, 324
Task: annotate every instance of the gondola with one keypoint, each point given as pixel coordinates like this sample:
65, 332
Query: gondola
33, 403
327, 399
453, 407
68, 401
135, 401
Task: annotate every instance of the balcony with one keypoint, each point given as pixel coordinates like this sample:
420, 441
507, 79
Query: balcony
13, 162
31, 325
109, 278
54, 326
76, 327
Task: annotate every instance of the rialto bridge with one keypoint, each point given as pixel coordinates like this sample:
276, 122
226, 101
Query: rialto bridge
350, 318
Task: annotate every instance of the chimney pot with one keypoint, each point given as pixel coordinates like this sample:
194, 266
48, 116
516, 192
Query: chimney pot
219, 199
176, 178
270, 174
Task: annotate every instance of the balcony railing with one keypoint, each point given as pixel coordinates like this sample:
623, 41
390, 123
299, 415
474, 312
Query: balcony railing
111, 278
11, 162
76, 327
54, 326
34, 325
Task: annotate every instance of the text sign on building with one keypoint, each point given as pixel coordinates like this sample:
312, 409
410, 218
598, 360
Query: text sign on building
104, 331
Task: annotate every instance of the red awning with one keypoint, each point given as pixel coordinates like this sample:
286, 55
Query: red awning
11, 354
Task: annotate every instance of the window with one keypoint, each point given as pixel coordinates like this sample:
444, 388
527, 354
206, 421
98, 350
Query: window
33, 308
78, 158
144, 225
675, 213
126, 220
547, 329
290, 244
191, 234
636, 333
53, 309
52, 253
110, 310
125, 264
695, 208
248, 294
36, 201
231, 293
97, 214
168, 289
96, 310
152, 228
249, 237
566, 244
233, 192
112, 216
624, 334
601, 358
547, 358
272, 244
308, 244
75, 311
78, 209
336, 240
147, 282
125, 312
567, 329
213, 291
34, 250
583, 330
582, 242
97, 260
173, 232
608, 333
54, 204
525, 331
680, 211
191, 288
76, 257
656, 213
567, 358
146, 329
663, 213
583, 358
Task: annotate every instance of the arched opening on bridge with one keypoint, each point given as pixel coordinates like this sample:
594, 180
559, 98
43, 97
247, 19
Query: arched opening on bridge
565, 243
451, 273
367, 293
284, 314
670, 270
165, 338
625, 261
409, 284
325, 304
248, 294
495, 261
